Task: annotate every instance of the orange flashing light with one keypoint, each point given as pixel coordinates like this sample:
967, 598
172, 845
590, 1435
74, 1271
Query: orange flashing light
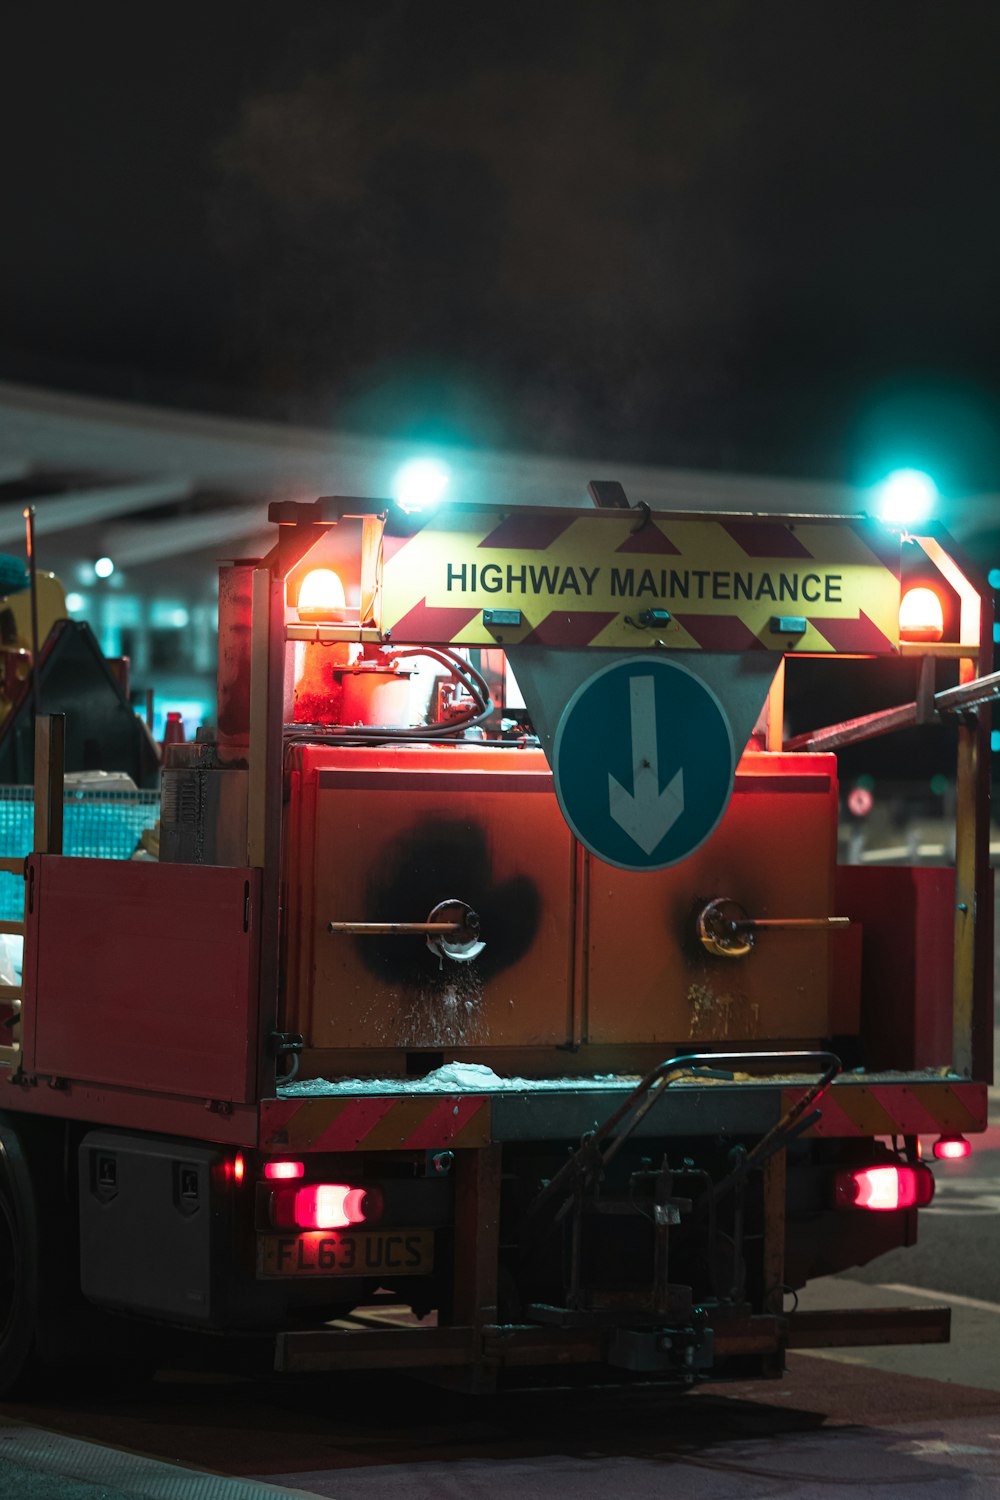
952, 1148
921, 616
239, 1167
321, 597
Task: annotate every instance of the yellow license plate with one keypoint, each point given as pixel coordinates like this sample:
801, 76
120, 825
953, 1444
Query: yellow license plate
325, 1252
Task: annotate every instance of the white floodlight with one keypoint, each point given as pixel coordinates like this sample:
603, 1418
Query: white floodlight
420, 484
906, 497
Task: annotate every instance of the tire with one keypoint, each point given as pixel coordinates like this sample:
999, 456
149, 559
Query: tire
49, 1334
22, 1268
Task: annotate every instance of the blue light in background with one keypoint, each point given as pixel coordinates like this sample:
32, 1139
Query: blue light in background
906, 497
168, 614
420, 484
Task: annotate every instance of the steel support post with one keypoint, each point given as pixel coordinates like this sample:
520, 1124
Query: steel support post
477, 1245
50, 735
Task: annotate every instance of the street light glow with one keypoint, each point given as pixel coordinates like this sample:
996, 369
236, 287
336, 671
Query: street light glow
420, 484
906, 497
104, 567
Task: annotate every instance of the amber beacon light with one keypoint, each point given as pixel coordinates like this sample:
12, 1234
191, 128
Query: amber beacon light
921, 617
321, 597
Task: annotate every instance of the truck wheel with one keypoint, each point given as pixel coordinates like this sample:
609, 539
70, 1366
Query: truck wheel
47, 1330
19, 1267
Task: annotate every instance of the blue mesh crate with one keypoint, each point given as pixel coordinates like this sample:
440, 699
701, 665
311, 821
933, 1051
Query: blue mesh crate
98, 824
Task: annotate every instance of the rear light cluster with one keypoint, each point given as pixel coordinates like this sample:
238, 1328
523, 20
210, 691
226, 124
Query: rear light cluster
283, 1171
321, 1205
952, 1148
883, 1189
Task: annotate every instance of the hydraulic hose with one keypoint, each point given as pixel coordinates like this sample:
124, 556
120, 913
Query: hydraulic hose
464, 672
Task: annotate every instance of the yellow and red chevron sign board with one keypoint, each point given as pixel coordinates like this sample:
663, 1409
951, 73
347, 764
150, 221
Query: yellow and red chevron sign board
932, 1108
375, 1122
583, 578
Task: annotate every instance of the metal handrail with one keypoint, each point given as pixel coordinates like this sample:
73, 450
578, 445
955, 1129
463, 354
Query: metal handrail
590, 1158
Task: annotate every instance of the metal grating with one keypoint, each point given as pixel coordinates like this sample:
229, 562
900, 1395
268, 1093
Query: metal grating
43, 1464
97, 824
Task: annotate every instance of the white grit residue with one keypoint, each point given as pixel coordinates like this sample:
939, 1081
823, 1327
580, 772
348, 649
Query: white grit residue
476, 1078
452, 1078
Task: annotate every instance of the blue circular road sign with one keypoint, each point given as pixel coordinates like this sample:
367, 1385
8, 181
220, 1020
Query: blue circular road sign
643, 762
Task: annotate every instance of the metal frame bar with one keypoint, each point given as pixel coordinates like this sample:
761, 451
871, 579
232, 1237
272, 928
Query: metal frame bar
50, 738
264, 797
477, 1247
775, 1177
846, 1328
50, 741
974, 693
498, 1346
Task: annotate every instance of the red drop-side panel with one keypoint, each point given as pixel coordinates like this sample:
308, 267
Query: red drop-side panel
143, 975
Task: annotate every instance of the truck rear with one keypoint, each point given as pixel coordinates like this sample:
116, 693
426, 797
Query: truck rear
498, 1000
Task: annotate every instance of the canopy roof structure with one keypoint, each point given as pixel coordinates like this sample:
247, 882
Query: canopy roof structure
158, 488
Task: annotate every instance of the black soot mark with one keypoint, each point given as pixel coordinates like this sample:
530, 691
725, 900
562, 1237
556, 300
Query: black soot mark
436, 861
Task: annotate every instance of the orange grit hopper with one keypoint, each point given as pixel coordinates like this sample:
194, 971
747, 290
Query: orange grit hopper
582, 965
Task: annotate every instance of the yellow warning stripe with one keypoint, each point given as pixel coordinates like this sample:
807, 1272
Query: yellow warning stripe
897, 1109
375, 1122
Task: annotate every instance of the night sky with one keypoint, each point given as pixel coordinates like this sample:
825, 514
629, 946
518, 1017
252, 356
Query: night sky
749, 235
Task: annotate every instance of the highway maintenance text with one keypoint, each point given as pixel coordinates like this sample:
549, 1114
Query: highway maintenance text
555, 580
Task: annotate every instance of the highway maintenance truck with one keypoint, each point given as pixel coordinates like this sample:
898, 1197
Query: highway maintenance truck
497, 1003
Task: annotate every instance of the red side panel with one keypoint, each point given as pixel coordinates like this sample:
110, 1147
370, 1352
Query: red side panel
907, 915
142, 975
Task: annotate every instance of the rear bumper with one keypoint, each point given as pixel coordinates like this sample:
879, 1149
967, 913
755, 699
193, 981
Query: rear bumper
517, 1346
907, 1105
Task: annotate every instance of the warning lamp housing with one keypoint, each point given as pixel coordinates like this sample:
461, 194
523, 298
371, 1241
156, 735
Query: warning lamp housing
921, 615
321, 600
952, 1148
321, 1205
884, 1188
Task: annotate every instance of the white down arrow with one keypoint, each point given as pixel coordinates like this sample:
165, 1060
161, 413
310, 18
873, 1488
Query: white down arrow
646, 814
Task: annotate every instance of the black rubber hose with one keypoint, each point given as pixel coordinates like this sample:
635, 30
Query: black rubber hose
464, 672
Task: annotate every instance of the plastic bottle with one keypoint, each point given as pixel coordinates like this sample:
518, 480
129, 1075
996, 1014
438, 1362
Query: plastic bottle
173, 730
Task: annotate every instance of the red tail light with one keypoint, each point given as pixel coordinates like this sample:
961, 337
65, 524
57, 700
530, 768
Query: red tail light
322, 1205
952, 1148
282, 1171
885, 1188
